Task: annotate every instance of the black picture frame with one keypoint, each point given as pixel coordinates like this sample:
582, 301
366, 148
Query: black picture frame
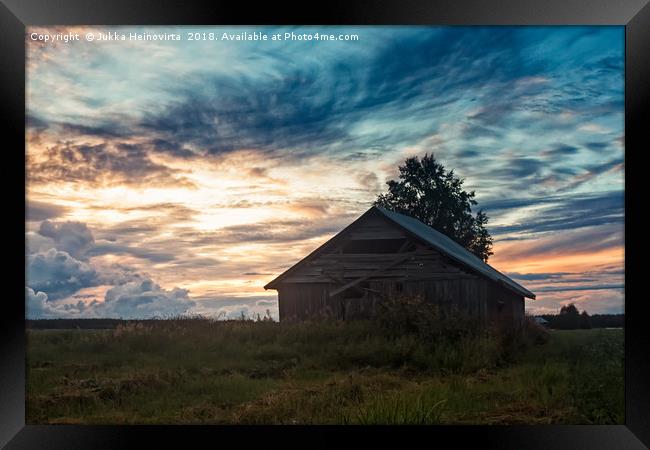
15, 15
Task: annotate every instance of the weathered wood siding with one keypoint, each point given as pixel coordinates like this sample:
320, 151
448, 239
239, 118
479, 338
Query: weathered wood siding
505, 307
379, 259
302, 301
306, 301
370, 247
465, 294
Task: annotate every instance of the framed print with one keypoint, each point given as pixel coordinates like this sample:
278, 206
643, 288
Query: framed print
376, 219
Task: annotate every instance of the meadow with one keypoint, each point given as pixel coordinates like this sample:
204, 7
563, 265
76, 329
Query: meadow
197, 371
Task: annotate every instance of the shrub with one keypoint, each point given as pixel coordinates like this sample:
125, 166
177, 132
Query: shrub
400, 315
534, 333
515, 341
444, 339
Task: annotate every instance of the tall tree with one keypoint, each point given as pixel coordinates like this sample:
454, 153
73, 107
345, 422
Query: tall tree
569, 310
568, 319
435, 196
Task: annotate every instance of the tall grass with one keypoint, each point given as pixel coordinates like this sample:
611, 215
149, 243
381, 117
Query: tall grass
244, 345
420, 368
421, 409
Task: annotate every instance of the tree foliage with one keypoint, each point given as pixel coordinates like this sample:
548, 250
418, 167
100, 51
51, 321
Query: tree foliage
435, 196
569, 310
570, 319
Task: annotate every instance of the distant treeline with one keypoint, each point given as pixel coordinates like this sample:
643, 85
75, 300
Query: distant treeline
566, 321
84, 324
570, 319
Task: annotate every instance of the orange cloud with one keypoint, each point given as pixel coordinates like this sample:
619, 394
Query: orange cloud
513, 258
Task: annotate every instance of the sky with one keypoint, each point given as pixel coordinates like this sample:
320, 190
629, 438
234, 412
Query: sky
169, 177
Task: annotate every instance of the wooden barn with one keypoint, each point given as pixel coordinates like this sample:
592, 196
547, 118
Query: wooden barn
383, 253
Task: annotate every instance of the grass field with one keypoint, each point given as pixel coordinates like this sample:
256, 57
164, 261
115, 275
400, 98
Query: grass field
201, 372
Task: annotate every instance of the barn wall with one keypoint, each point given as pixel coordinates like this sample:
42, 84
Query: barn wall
302, 301
469, 295
477, 297
505, 308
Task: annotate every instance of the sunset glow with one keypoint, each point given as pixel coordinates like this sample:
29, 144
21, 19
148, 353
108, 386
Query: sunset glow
169, 177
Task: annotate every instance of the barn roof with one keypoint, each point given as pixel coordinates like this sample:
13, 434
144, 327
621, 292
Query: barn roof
429, 236
452, 249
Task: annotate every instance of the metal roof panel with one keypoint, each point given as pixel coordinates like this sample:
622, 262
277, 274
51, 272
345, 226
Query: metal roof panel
452, 249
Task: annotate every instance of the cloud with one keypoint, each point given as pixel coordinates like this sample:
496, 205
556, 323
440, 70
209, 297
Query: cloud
100, 164
581, 288
594, 302
144, 299
37, 305
105, 130
226, 115
592, 128
36, 243
520, 167
571, 242
597, 146
171, 148
37, 211
280, 231
561, 150
592, 171
119, 274
110, 248
155, 217
58, 274
310, 208
321, 104
193, 262
267, 303
567, 212
72, 237
141, 299
606, 284
54, 276
537, 276
369, 181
